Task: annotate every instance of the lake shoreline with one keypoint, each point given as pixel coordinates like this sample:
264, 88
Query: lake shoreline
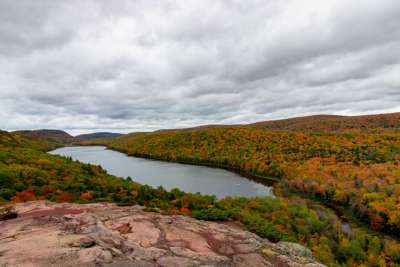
268, 181
253, 177
154, 172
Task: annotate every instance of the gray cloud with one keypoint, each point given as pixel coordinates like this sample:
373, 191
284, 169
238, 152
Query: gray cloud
144, 65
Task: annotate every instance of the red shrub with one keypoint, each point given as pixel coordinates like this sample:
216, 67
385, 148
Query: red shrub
86, 195
27, 195
48, 190
65, 197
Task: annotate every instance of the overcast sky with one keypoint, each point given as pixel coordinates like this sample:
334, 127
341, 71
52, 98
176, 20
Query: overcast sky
124, 66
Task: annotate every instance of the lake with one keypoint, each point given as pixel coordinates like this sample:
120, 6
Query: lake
189, 178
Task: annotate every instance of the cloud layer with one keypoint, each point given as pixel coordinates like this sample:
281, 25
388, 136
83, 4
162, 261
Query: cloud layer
144, 65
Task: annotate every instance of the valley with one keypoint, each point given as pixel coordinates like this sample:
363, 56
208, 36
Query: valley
355, 172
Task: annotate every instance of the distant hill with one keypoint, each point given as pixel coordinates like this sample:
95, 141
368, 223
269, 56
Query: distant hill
44, 140
7, 139
318, 123
94, 136
46, 134
334, 123
201, 127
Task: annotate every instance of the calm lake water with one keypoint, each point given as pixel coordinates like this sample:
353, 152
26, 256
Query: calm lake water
188, 178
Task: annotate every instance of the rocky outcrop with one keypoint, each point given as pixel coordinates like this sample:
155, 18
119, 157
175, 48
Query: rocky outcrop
103, 234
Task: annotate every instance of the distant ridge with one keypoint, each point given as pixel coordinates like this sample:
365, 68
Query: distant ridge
46, 134
313, 123
318, 123
201, 127
334, 123
94, 136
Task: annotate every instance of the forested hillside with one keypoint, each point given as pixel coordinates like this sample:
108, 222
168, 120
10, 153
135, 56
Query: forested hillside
379, 123
332, 123
94, 136
41, 139
346, 170
313, 163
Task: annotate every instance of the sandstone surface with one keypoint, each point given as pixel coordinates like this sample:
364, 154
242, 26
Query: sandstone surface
103, 234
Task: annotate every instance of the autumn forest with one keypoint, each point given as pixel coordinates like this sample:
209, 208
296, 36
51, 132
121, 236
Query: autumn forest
327, 171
